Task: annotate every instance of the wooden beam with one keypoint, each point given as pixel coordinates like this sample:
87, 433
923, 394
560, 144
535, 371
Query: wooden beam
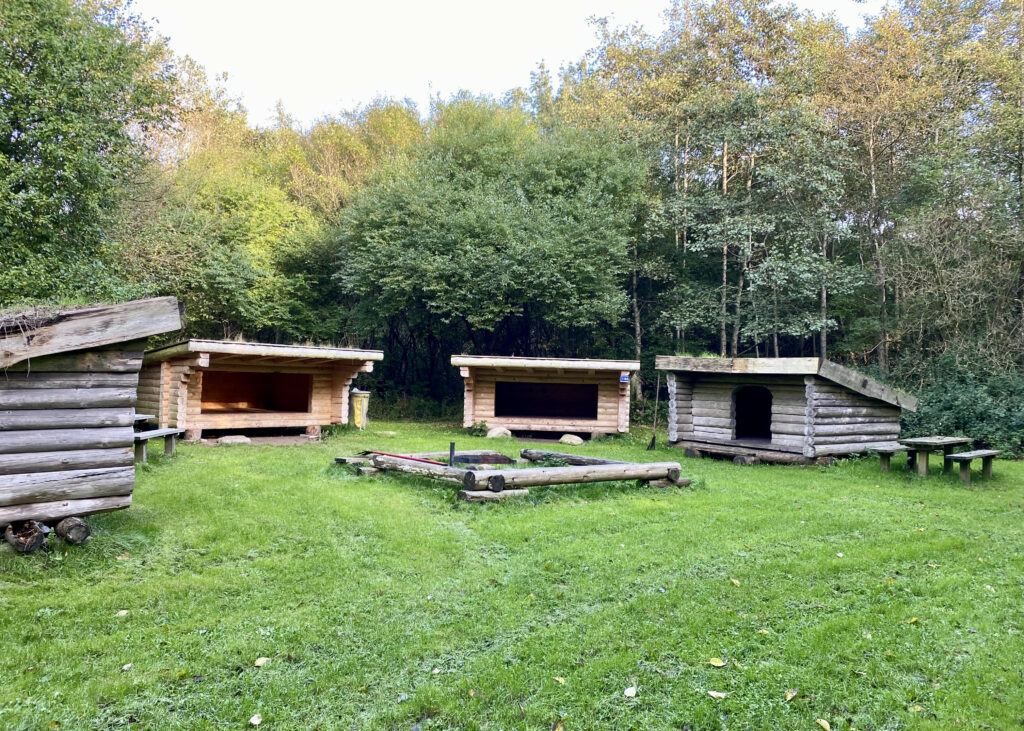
229, 347
531, 476
866, 386
553, 364
43, 487
58, 510
783, 366
91, 328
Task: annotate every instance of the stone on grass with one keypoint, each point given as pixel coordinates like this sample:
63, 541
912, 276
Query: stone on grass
234, 439
497, 432
571, 439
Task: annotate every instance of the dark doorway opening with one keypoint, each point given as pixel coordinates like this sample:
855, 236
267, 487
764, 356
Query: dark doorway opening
249, 392
545, 400
753, 408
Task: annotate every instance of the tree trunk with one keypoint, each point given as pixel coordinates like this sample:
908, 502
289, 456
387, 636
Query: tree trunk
27, 536
74, 531
637, 330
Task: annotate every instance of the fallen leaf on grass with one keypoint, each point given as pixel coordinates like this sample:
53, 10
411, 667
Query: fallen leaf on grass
122, 613
763, 632
791, 694
123, 556
256, 720
126, 668
472, 692
915, 709
824, 724
717, 662
630, 692
933, 566
990, 588
560, 681
736, 664
558, 726
436, 671
736, 582
839, 555
261, 661
912, 620
717, 694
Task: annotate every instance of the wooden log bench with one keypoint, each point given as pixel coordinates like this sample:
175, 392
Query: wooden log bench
965, 458
142, 438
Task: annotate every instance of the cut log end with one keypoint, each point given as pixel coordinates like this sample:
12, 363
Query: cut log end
74, 531
26, 536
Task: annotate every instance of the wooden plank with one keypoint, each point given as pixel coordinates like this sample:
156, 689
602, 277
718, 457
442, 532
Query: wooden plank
785, 366
866, 386
855, 438
51, 440
256, 350
12, 464
41, 487
566, 364
18, 380
86, 362
65, 418
486, 496
66, 398
60, 509
539, 455
92, 327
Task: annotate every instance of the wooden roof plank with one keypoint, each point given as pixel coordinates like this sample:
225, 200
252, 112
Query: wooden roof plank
566, 364
92, 327
261, 350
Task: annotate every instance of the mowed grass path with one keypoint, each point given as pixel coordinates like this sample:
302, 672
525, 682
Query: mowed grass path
885, 601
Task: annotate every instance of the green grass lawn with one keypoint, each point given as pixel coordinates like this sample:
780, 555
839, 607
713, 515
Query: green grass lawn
884, 601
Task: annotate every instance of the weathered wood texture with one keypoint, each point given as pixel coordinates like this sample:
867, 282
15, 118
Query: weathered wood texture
811, 415
486, 496
611, 378
91, 328
74, 531
533, 476
539, 455
67, 409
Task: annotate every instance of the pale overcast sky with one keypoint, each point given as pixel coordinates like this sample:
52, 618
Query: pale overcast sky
322, 56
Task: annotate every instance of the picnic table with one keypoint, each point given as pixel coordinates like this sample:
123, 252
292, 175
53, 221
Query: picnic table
920, 447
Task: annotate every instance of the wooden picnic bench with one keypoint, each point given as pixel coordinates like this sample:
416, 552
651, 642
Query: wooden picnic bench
965, 458
142, 438
885, 453
920, 447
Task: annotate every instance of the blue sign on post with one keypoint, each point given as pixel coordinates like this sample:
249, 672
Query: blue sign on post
624, 379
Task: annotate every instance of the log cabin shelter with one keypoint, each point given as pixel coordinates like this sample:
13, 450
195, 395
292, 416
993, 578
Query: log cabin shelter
778, 409
67, 407
546, 394
217, 384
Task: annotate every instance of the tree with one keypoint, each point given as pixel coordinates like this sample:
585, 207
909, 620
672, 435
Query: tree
82, 84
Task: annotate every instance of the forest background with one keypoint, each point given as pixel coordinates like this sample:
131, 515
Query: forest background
752, 181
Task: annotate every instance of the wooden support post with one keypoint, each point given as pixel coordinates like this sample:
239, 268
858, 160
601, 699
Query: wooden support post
169, 444
986, 467
74, 531
140, 452
921, 459
883, 461
965, 472
947, 463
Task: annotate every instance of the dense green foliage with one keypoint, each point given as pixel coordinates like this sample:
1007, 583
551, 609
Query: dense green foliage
81, 88
752, 181
356, 589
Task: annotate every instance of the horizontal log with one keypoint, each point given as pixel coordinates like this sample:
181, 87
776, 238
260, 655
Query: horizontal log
706, 421
65, 418
539, 455
66, 398
17, 380
855, 438
854, 411
857, 448
782, 428
105, 361
721, 413
58, 510
11, 464
851, 420
42, 487
531, 476
467, 479
51, 440
885, 427
481, 496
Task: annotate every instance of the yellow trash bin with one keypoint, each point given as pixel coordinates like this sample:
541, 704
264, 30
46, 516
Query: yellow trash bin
359, 406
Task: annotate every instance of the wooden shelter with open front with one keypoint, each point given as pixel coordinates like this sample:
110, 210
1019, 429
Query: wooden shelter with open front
67, 405
546, 394
217, 384
778, 409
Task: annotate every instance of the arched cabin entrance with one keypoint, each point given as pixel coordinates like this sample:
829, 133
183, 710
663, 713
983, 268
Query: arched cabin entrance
752, 407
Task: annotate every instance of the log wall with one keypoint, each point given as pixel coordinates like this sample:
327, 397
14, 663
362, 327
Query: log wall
66, 433
612, 399
810, 414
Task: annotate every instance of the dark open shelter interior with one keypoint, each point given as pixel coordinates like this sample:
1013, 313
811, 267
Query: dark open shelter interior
248, 392
545, 400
